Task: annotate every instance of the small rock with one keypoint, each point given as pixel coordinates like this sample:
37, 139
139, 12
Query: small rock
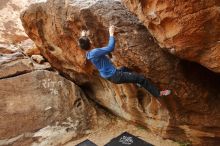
49, 107
38, 58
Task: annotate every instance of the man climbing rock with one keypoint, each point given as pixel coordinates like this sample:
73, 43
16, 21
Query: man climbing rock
107, 70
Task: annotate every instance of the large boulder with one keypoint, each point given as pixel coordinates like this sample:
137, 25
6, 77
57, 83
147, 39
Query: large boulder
189, 114
32, 98
188, 29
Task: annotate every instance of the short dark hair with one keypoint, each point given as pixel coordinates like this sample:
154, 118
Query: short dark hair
84, 43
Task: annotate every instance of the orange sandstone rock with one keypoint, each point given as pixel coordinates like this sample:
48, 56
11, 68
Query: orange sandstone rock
191, 113
188, 29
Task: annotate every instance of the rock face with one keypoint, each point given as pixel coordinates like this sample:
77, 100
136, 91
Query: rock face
188, 29
16, 64
12, 35
11, 30
191, 113
32, 97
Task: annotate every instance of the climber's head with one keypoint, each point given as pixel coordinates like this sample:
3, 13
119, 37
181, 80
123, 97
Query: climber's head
84, 41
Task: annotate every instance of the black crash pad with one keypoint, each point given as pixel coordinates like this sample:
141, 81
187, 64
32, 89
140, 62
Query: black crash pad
86, 143
126, 139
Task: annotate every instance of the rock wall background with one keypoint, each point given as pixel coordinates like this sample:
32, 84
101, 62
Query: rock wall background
11, 29
33, 96
38, 106
51, 93
191, 113
187, 29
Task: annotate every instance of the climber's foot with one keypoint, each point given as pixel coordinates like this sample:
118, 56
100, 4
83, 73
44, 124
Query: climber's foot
165, 92
139, 85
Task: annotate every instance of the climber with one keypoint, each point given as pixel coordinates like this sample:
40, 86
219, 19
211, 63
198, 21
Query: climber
107, 70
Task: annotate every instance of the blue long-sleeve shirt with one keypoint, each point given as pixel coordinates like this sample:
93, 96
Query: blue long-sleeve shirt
98, 57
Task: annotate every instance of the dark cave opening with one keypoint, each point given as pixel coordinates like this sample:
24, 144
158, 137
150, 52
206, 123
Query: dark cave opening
198, 74
206, 86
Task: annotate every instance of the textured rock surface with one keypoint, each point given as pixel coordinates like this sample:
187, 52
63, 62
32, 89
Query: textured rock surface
11, 30
28, 47
188, 29
31, 99
16, 64
38, 58
12, 35
191, 113
4, 49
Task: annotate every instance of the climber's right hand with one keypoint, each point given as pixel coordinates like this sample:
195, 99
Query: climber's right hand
111, 30
83, 33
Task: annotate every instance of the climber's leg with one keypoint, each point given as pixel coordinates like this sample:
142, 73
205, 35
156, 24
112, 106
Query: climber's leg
124, 69
131, 77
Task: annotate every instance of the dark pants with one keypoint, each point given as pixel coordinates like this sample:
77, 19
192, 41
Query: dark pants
124, 75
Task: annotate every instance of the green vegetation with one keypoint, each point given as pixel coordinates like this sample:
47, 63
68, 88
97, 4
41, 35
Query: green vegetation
139, 127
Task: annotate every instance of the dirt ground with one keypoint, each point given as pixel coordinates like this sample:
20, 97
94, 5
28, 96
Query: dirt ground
110, 127
106, 126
